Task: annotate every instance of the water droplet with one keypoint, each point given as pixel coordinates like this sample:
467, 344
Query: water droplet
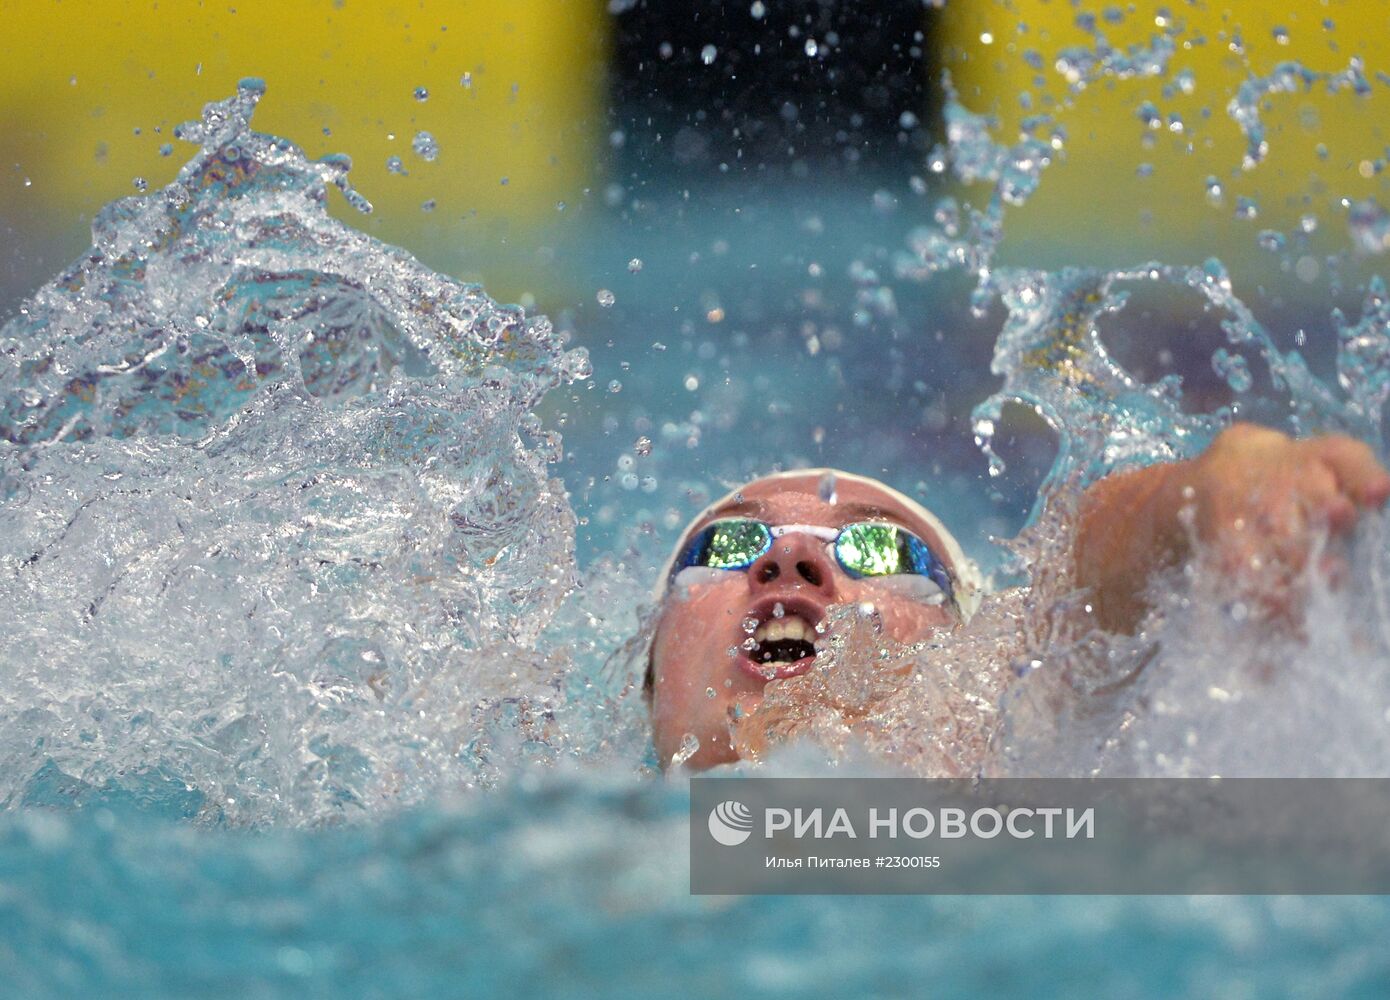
884, 202
605, 297
615, 386
428, 205
1246, 208
689, 745
167, 149
758, 10
466, 81
708, 54
425, 146
422, 94
709, 692
1233, 368
691, 383
1370, 226
1281, 34
750, 625
643, 446
396, 165
1271, 240
634, 265
826, 488
811, 47
141, 184
778, 611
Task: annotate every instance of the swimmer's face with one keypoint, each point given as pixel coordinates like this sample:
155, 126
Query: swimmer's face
696, 682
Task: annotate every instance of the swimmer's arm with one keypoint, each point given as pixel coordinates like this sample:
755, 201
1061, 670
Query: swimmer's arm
1253, 500
1125, 533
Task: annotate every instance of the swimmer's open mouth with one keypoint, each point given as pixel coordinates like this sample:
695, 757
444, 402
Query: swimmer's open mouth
785, 642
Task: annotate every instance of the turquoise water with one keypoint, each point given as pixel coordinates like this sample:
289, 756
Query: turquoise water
316, 562
578, 887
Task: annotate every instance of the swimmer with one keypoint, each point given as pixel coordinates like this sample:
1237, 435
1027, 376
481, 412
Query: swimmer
757, 570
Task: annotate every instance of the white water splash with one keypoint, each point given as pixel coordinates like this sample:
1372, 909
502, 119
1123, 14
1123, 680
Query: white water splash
280, 536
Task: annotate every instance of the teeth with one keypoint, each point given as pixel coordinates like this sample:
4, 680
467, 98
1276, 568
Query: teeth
787, 627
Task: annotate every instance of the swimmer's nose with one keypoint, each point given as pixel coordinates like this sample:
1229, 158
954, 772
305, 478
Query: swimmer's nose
795, 560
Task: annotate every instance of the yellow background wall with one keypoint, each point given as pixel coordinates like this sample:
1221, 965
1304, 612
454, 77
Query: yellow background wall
1090, 206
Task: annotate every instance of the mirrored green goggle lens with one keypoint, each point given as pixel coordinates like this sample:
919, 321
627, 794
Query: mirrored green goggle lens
875, 550
731, 544
869, 548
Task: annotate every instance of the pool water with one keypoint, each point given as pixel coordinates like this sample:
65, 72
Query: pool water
577, 885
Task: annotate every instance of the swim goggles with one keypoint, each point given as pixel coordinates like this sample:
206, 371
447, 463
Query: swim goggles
863, 549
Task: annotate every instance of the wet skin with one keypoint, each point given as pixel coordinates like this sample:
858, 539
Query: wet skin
1253, 503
